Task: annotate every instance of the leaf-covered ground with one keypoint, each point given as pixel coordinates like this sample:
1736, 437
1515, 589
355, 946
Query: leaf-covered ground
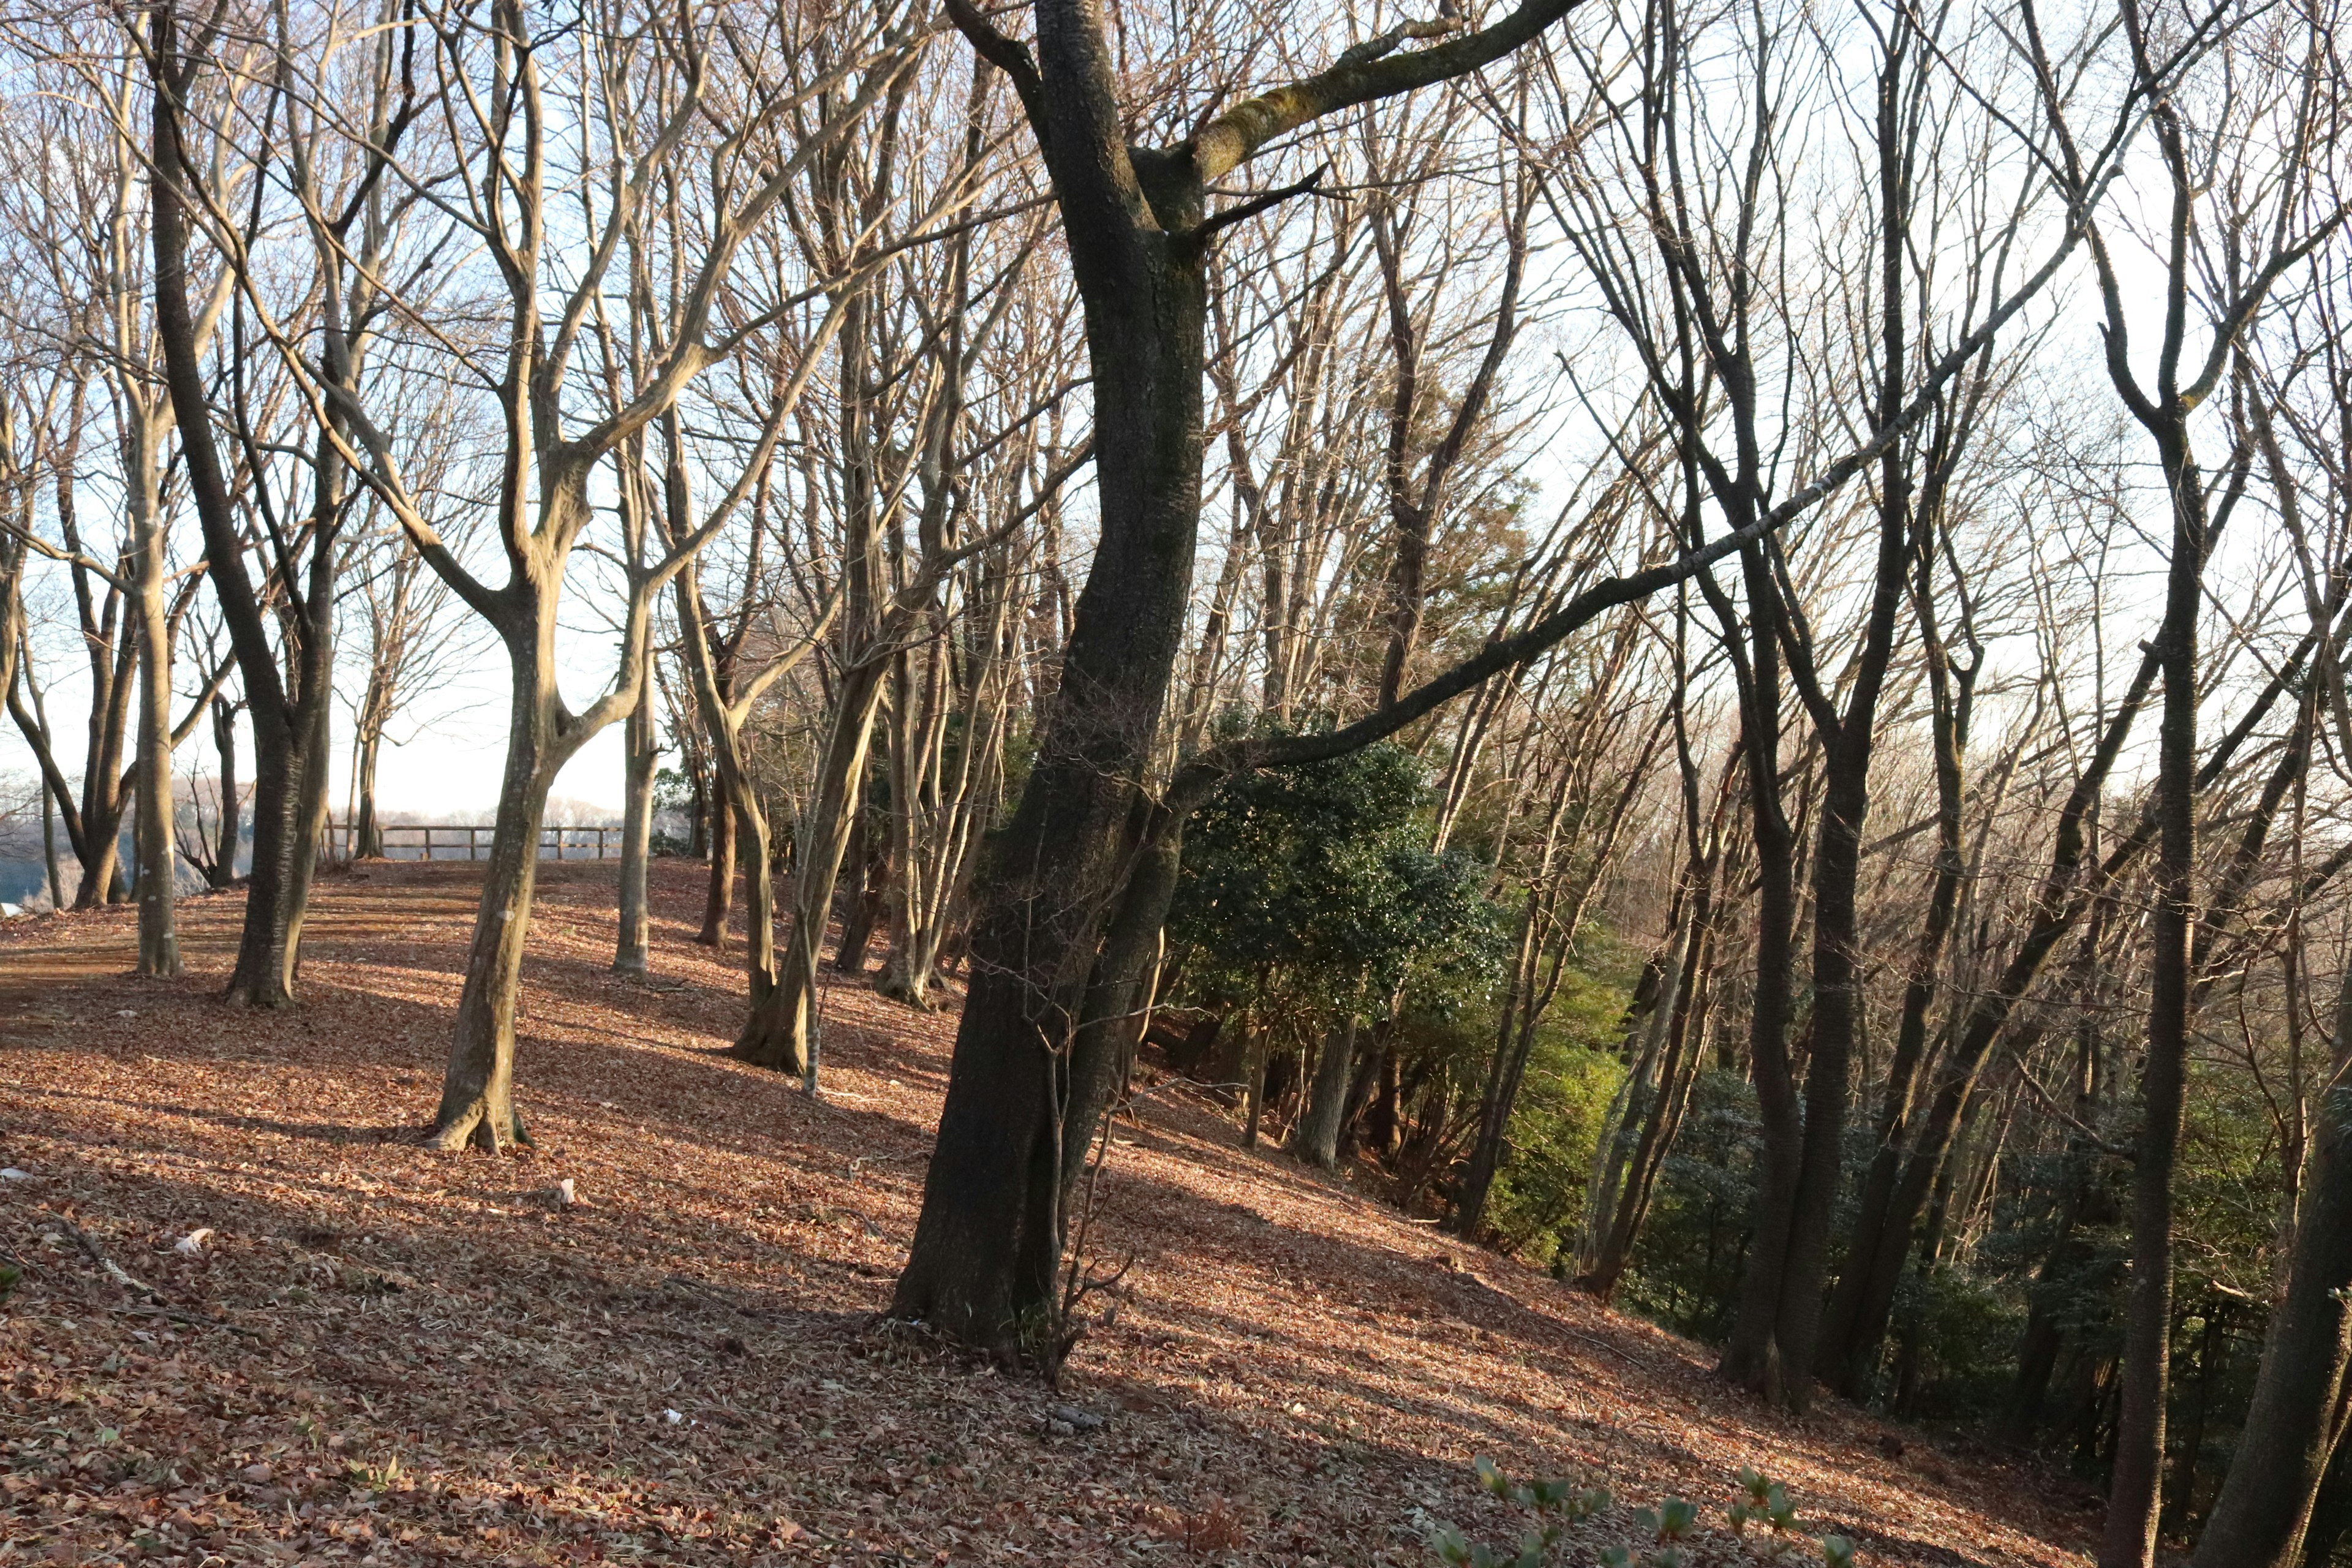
385, 1356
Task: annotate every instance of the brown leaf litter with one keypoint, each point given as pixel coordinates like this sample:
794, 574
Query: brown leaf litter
258, 1324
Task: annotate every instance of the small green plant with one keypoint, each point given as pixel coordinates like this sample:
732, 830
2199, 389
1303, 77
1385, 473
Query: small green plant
376, 1479
1670, 1526
1549, 1504
1767, 1504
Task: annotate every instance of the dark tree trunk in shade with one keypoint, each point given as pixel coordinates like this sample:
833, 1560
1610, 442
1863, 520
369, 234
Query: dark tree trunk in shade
866, 879
230, 835
1315, 1137
159, 940
719, 900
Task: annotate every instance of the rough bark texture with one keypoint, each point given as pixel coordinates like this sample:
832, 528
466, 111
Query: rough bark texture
718, 902
477, 1086
1316, 1138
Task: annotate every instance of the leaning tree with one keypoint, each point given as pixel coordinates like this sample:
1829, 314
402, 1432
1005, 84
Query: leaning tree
1067, 914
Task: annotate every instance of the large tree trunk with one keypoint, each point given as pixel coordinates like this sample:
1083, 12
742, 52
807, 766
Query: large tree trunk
990, 1238
1753, 1354
477, 1089
289, 726
1316, 1138
1851, 1360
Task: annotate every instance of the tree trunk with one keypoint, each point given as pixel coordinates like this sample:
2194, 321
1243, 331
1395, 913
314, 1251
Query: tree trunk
367, 829
718, 902
2129, 1540
867, 865
231, 837
989, 1240
2068, 891
1316, 1138
780, 1032
633, 943
699, 809
477, 1090
289, 726
49, 851
1078, 884
1663, 1121
1509, 1060
159, 940
1753, 1354
102, 804
2182, 1489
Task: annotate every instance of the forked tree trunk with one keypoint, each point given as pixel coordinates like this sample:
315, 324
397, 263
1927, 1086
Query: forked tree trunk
781, 1031
367, 828
1068, 916
289, 708
102, 803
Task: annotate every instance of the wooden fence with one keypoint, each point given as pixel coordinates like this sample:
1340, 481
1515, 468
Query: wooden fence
421, 841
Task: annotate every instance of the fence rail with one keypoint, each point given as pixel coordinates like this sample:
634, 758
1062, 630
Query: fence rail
419, 839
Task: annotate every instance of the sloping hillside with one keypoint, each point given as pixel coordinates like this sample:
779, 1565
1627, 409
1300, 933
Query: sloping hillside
385, 1356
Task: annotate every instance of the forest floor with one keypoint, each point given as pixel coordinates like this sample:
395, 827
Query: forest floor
374, 1354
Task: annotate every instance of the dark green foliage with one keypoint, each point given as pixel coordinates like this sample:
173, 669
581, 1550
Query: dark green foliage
1318, 881
1685, 1272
